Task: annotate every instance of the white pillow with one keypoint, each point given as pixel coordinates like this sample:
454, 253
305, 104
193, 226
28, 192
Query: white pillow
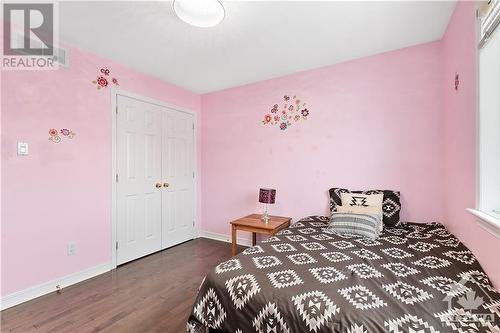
363, 200
358, 201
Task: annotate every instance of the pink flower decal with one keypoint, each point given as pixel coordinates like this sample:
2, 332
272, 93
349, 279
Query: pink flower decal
267, 118
292, 111
54, 134
102, 81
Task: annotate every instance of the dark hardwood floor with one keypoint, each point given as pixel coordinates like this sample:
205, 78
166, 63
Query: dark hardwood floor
152, 294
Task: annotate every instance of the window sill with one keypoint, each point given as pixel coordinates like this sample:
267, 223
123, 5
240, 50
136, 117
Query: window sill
488, 222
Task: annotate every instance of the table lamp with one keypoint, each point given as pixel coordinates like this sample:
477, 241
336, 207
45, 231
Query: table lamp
266, 196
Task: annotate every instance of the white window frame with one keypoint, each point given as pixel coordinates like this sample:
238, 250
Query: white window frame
489, 220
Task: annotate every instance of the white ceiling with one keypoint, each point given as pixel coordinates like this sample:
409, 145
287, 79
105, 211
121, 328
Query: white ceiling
258, 40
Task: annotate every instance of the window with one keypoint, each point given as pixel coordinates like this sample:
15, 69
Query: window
489, 112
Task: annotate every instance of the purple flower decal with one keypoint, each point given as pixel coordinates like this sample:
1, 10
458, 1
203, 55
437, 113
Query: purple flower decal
54, 134
292, 110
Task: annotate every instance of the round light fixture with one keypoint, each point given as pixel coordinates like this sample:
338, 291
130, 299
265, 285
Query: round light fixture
200, 13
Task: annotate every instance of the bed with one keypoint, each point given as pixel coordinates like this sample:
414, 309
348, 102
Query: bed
413, 278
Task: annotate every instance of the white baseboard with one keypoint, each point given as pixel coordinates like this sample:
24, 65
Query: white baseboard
45, 288
224, 238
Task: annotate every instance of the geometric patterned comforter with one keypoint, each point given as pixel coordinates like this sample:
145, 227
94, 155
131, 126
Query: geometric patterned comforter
413, 278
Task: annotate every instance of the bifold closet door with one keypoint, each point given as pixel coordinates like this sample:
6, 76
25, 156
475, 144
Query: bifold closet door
178, 172
139, 178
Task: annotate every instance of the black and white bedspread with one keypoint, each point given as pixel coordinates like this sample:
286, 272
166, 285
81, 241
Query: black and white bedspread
414, 278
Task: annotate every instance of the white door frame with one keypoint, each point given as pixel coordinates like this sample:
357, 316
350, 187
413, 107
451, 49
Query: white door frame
114, 93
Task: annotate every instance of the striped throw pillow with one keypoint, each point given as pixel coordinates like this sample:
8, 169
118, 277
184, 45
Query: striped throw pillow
370, 210
366, 225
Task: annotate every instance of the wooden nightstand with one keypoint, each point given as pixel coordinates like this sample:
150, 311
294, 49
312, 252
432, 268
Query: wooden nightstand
255, 225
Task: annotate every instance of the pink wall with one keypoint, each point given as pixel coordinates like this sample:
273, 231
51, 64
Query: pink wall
378, 122
375, 123
62, 192
459, 55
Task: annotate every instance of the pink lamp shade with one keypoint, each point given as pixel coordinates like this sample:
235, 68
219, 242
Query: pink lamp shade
267, 195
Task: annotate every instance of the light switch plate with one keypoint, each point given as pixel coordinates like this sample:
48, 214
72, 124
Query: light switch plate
71, 249
22, 148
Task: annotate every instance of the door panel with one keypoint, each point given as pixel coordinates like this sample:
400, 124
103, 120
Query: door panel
130, 217
139, 169
178, 168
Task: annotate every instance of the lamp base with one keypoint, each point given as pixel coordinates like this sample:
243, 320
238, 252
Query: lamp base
266, 217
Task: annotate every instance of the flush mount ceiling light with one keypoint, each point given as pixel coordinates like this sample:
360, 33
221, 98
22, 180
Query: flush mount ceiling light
200, 13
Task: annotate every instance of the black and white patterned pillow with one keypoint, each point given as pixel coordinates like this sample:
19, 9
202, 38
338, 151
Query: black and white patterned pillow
391, 204
365, 225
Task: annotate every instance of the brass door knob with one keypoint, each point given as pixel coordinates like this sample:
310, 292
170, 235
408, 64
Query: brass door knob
166, 184
158, 185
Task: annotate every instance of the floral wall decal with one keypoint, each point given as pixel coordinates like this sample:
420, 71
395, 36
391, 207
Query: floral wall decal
291, 111
64, 133
103, 79
457, 81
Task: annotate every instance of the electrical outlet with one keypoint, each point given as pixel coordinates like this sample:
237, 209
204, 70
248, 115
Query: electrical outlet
71, 249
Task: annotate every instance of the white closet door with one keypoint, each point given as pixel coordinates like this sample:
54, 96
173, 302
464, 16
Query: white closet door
139, 201
178, 172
